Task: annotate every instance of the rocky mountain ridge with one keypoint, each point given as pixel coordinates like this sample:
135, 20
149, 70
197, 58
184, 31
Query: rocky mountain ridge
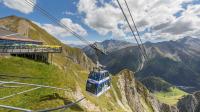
176, 62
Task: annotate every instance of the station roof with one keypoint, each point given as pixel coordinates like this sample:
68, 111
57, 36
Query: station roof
8, 35
18, 39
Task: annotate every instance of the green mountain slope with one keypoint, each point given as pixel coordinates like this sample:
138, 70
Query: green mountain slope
24, 70
125, 94
29, 29
176, 62
171, 96
164, 91
69, 71
28, 71
155, 84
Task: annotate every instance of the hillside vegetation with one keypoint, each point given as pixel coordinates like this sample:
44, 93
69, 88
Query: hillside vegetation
164, 91
176, 62
171, 96
156, 84
24, 70
70, 71
28, 71
27, 28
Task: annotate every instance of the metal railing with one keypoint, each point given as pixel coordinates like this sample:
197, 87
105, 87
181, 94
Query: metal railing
30, 49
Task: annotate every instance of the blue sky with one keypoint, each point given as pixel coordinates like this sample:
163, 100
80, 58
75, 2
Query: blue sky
59, 10
97, 20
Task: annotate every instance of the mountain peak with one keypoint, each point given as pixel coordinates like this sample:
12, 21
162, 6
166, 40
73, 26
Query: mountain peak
12, 17
188, 39
128, 73
16, 24
109, 45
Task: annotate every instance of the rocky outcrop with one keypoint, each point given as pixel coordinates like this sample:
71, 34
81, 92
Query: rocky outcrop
168, 108
190, 103
135, 97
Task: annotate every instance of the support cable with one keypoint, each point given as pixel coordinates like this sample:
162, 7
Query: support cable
56, 21
44, 86
138, 34
140, 49
15, 108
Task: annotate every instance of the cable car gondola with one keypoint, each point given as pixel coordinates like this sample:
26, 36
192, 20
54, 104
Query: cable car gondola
98, 82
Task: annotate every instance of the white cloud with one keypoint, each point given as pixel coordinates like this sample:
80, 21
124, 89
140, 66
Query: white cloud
60, 32
74, 26
158, 15
69, 13
19, 5
185, 25
104, 19
193, 10
76, 42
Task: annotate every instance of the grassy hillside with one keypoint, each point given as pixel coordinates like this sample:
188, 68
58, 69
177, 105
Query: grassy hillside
155, 84
164, 91
171, 96
28, 28
23, 70
69, 70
